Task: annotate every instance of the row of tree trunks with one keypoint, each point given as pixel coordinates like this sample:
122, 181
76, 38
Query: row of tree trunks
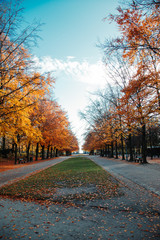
109, 152
50, 152
144, 145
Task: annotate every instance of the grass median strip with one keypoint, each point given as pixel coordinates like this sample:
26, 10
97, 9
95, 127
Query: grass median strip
77, 178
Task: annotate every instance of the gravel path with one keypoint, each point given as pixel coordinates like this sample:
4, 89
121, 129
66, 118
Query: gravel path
133, 215
145, 175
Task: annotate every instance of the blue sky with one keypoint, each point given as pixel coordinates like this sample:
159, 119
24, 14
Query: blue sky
71, 31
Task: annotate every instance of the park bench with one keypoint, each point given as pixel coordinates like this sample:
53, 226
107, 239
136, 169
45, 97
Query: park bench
138, 159
21, 160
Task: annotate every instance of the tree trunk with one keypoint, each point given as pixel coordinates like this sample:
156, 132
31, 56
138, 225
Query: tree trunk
102, 152
112, 150
151, 151
3, 143
130, 148
15, 152
108, 150
116, 150
144, 147
42, 152
27, 152
19, 148
150, 142
37, 150
105, 150
56, 152
122, 147
48, 152
51, 152
4, 154
13, 145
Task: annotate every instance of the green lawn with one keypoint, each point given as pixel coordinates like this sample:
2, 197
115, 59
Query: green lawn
74, 173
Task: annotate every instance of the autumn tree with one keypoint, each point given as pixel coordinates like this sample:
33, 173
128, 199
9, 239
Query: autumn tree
103, 119
11, 29
92, 142
14, 59
139, 32
145, 5
138, 44
94, 115
55, 129
26, 114
132, 63
139, 41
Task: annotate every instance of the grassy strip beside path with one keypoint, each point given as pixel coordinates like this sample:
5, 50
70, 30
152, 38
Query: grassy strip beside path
77, 178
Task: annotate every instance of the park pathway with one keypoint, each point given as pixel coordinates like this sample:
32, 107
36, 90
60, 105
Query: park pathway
145, 175
10, 176
134, 214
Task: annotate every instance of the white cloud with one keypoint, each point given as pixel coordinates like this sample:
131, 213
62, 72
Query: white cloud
70, 57
90, 73
93, 75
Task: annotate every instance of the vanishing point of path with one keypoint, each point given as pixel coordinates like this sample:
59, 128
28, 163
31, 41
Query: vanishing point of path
135, 214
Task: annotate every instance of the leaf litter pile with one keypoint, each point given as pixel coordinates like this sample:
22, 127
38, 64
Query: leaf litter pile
73, 180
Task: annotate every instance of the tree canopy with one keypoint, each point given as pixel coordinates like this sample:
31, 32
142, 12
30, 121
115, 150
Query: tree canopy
28, 115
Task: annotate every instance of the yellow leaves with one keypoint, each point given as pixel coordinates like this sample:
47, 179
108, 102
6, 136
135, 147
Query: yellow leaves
139, 33
53, 125
22, 94
20, 87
